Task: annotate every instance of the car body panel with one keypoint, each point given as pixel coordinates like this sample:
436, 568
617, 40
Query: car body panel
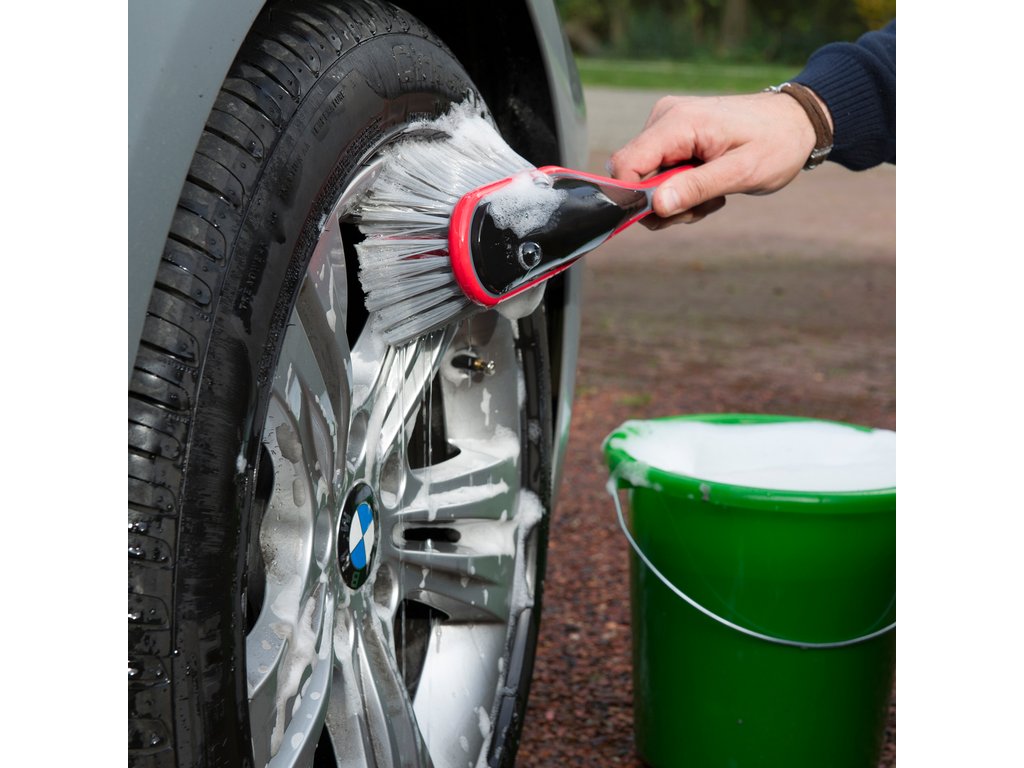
178, 55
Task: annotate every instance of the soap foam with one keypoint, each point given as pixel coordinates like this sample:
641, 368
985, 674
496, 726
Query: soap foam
785, 456
525, 203
522, 304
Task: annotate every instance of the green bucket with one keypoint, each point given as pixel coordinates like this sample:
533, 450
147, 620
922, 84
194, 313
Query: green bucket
763, 590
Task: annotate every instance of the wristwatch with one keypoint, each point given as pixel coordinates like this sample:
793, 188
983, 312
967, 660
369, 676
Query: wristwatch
822, 132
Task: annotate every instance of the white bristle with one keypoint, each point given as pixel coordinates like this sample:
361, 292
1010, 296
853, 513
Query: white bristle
404, 265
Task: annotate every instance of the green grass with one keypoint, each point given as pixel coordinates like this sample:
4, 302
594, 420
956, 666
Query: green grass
679, 76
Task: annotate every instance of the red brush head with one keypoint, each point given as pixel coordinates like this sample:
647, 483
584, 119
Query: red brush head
460, 246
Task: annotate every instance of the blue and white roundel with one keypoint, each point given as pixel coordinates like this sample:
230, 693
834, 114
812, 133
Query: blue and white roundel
361, 536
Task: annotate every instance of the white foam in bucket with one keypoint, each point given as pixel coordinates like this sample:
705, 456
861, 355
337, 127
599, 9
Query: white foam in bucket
786, 456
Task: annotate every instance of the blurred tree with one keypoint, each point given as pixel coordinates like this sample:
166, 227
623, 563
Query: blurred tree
585, 25
694, 15
734, 26
738, 30
618, 23
876, 13
790, 30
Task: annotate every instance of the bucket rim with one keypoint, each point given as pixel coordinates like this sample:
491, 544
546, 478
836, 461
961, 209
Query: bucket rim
728, 494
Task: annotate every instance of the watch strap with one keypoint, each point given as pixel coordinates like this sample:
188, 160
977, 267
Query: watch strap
822, 132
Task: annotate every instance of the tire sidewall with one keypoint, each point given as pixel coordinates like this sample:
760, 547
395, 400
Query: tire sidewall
367, 95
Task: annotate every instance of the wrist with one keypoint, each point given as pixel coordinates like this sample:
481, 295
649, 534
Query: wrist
818, 116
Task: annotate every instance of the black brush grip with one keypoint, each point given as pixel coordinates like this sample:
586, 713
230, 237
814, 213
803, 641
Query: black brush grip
587, 217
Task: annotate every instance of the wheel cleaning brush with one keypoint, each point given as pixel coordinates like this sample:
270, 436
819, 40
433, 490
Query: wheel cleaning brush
455, 222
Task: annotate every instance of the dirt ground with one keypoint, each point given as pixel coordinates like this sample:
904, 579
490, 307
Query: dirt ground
783, 304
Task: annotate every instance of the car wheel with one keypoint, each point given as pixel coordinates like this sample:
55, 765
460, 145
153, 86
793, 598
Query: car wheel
336, 547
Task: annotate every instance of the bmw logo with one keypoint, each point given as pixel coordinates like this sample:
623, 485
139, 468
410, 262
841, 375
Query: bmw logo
357, 536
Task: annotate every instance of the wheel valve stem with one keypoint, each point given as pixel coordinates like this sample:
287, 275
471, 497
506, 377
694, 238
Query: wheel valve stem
469, 362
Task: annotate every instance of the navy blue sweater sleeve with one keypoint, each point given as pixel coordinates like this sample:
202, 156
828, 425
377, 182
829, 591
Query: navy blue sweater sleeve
858, 83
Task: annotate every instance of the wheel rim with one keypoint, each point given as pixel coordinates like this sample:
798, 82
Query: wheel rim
403, 663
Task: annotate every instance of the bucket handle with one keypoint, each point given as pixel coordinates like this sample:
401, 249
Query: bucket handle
614, 491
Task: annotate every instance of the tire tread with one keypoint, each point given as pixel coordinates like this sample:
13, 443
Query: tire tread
276, 66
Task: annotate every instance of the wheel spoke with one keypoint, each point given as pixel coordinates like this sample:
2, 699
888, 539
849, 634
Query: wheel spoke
288, 647
453, 541
470, 660
465, 585
289, 663
317, 400
370, 719
388, 387
322, 307
480, 483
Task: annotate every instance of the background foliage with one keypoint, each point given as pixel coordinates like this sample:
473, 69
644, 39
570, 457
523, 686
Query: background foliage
784, 31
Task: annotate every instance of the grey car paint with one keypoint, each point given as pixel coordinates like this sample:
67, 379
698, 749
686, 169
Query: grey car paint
178, 55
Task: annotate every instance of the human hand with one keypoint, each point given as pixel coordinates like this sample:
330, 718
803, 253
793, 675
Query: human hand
755, 144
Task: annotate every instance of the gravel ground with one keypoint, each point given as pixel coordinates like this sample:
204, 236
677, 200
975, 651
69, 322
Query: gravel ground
784, 304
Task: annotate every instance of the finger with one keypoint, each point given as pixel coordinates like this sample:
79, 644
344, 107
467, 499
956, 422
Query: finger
691, 216
661, 106
719, 177
664, 144
621, 166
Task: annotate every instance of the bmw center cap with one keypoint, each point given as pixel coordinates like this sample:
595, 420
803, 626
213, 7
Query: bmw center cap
357, 539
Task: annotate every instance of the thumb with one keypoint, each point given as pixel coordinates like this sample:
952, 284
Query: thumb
705, 182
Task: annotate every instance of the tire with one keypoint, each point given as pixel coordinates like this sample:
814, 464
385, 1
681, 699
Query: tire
265, 420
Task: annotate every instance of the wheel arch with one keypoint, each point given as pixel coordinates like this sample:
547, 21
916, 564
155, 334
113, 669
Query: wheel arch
177, 60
